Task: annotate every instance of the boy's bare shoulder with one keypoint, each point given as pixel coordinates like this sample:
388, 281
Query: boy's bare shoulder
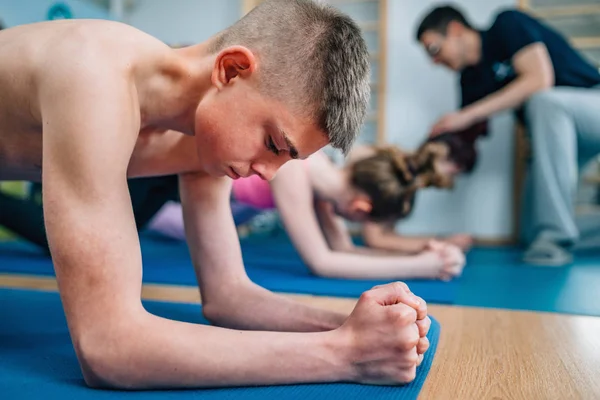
93, 46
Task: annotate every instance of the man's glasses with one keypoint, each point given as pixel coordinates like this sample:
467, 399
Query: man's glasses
433, 49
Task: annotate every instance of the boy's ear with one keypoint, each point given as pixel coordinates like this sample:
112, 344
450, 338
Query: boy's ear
232, 63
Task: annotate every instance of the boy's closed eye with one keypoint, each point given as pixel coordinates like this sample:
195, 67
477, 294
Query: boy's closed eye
272, 147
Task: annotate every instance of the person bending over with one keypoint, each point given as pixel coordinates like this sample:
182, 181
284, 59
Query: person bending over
523, 64
315, 198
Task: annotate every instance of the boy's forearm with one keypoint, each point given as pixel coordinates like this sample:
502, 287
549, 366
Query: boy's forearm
161, 353
256, 308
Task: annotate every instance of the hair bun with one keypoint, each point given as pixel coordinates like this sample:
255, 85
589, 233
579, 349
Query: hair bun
400, 163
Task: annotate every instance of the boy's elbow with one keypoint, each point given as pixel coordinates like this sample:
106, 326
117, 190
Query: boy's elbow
216, 312
100, 366
220, 308
107, 359
97, 374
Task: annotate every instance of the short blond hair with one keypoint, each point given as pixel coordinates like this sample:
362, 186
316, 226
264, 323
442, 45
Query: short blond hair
316, 61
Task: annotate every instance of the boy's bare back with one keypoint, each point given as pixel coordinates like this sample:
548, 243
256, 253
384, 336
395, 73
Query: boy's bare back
70, 54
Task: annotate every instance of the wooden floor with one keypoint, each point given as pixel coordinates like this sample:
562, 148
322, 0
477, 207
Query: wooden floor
482, 354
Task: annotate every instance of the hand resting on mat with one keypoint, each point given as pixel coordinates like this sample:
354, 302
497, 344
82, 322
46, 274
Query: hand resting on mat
387, 329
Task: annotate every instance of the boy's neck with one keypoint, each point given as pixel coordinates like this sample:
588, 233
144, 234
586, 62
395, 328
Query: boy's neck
172, 98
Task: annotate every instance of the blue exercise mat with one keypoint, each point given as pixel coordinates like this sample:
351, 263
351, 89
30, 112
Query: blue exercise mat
37, 360
497, 278
271, 262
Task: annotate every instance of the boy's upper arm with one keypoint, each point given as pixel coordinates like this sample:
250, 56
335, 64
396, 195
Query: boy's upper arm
211, 232
89, 130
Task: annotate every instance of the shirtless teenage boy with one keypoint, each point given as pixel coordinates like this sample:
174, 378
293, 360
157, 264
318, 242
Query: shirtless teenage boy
87, 104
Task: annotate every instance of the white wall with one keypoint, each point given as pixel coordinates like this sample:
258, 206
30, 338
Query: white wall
417, 94
178, 22
14, 12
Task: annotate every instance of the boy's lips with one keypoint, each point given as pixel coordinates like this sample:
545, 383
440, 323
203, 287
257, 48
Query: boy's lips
233, 174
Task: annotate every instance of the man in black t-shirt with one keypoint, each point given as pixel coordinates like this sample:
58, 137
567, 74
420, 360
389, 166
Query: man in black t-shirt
521, 64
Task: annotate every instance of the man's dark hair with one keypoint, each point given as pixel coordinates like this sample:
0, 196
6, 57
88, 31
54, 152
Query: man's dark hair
439, 18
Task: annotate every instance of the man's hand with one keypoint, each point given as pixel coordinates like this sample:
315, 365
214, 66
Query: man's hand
451, 123
386, 333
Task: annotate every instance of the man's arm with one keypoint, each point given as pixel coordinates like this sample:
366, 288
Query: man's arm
229, 298
515, 37
534, 73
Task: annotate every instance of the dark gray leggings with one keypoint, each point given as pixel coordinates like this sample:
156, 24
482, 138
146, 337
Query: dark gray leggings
25, 217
